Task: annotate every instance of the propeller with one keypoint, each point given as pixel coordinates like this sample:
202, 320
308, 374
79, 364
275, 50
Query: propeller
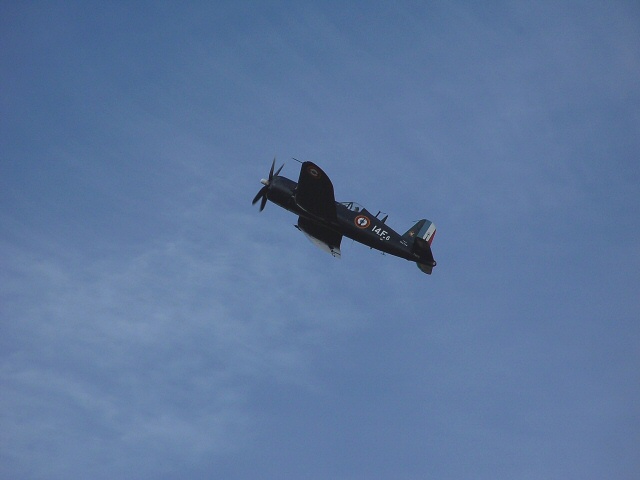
266, 182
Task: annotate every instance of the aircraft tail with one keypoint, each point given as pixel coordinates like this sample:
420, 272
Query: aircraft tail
421, 235
423, 229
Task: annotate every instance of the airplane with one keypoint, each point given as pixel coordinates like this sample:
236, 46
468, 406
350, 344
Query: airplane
325, 221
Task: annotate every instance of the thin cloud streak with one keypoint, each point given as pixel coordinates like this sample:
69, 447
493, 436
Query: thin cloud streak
112, 343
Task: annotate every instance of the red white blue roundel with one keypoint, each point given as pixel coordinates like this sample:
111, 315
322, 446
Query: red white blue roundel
313, 171
362, 221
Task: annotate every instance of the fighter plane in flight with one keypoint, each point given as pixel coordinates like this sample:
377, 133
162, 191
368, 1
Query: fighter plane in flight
325, 221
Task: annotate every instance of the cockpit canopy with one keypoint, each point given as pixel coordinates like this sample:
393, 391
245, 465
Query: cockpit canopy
353, 206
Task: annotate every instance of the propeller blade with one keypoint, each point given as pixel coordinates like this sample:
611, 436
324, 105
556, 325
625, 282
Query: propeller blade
271, 171
278, 171
261, 193
264, 190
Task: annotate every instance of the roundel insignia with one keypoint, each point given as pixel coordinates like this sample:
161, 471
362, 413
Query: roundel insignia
313, 171
362, 221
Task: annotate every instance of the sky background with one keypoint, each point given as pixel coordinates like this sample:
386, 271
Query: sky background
153, 324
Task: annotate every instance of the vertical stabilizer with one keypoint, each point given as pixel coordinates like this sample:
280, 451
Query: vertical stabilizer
424, 229
421, 236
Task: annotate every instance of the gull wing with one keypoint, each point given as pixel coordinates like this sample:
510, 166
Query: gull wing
322, 237
315, 192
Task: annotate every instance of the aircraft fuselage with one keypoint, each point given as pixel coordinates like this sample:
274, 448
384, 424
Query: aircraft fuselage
360, 225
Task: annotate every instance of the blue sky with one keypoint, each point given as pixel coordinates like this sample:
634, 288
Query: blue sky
154, 324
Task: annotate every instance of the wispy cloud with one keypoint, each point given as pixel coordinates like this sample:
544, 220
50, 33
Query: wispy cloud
147, 354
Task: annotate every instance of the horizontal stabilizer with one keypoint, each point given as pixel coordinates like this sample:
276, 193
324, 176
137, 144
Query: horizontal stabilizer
425, 268
423, 250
